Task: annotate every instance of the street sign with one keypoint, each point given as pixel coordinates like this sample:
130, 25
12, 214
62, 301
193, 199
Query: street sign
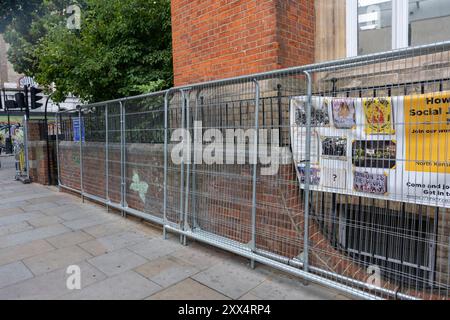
76, 130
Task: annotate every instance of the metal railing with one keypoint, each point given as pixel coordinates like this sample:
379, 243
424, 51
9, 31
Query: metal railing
350, 203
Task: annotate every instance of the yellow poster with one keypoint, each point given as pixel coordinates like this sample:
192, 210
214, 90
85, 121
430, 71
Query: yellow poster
427, 127
378, 115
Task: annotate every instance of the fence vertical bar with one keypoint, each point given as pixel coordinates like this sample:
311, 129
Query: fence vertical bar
57, 150
25, 140
307, 172
106, 157
166, 147
255, 170
122, 159
80, 135
194, 174
182, 182
124, 163
187, 115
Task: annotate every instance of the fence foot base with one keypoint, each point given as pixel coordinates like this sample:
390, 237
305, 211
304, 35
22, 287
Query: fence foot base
24, 180
183, 240
252, 264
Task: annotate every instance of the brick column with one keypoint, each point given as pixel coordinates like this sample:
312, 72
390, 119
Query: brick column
37, 155
219, 39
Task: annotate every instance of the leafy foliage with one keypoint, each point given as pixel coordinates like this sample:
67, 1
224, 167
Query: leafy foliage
122, 49
18, 11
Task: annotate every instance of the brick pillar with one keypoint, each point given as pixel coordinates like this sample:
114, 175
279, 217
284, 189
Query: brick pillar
37, 155
219, 39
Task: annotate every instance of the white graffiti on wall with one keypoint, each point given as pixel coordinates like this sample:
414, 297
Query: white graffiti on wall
139, 186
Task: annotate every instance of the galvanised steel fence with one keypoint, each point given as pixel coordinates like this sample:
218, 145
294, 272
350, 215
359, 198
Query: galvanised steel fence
335, 172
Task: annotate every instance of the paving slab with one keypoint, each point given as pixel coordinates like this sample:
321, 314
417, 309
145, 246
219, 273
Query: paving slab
125, 286
250, 296
106, 229
286, 288
60, 258
69, 239
51, 198
12, 205
67, 199
75, 214
28, 193
15, 228
84, 222
39, 206
51, 285
167, 271
117, 262
10, 211
44, 221
4, 221
188, 289
23, 251
155, 248
197, 257
12, 273
31, 235
57, 210
113, 242
230, 279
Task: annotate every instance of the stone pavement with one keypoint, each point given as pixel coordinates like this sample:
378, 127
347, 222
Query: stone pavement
43, 231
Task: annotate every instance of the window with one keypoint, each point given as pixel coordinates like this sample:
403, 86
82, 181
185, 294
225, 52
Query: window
429, 21
381, 25
374, 26
402, 244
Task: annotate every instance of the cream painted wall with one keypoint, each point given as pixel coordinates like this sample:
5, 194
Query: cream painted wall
7, 73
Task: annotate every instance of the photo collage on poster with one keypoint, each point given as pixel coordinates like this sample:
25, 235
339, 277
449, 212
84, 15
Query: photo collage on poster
353, 146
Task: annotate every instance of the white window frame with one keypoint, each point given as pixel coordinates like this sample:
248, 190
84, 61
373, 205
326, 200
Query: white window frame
400, 25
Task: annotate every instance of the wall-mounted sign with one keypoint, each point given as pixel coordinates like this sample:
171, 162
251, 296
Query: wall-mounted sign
77, 131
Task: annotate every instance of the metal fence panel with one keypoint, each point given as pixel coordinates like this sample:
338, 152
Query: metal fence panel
219, 193
93, 141
144, 155
69, 157
333, 210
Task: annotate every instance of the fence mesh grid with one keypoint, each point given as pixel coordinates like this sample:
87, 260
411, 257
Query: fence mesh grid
352, 142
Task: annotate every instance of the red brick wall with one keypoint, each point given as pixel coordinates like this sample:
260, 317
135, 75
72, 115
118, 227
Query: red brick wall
218, 39
295, 32
222, 207
94, 173
39, 160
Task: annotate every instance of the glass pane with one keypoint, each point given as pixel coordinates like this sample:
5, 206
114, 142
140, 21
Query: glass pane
429, 21
374, 26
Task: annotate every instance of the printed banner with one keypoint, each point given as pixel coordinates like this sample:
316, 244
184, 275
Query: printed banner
395, 148
427, 128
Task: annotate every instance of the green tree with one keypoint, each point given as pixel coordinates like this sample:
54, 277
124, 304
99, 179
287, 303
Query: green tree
18, 11
17, 22
123, 48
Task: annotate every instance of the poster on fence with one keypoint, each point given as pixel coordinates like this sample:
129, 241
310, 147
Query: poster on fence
393, 148
76, 130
